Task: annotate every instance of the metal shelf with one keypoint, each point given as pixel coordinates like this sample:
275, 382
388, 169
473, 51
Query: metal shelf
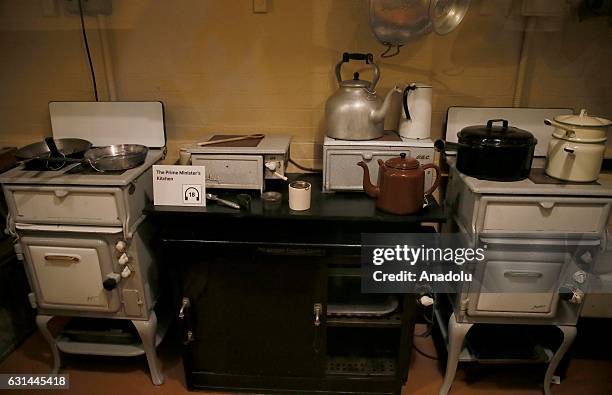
388, 321
361, 366
545, 354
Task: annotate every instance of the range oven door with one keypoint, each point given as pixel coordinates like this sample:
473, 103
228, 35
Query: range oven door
67, 271
522, 277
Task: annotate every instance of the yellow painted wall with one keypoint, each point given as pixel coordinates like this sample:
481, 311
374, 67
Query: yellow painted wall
219, 67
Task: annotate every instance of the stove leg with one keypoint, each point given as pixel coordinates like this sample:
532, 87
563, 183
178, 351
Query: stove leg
456, 336
41, 322
569, 334
147, 330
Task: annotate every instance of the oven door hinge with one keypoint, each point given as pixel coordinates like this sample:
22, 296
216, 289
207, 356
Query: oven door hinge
18, 251
32, 299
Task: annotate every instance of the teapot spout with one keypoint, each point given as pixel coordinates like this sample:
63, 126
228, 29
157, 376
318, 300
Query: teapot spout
379, 114
371, 190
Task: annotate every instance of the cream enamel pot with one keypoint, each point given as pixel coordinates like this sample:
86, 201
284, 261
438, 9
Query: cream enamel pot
572, 160
577, 148
582, 126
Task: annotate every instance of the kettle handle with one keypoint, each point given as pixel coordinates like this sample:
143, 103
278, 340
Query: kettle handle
369, 59
407, 91
436, 182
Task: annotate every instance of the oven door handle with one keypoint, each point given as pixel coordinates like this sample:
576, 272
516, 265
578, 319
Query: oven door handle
62, 258
522, 274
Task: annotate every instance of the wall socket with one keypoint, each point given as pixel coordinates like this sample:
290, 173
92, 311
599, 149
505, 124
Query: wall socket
260, 6
90, 7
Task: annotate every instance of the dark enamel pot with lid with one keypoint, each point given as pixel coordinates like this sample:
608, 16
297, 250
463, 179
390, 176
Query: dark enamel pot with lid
493, 152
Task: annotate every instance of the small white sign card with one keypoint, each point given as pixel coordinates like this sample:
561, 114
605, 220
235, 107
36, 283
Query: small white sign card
179, 185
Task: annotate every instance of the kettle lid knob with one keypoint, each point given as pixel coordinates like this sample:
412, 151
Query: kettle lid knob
403, 155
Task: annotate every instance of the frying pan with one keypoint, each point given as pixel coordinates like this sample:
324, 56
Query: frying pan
56, 153
39, 153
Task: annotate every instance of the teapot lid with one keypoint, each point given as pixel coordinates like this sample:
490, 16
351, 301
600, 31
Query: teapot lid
355, 82
403, 162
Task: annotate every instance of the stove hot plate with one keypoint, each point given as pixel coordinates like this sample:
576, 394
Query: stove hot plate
539, 176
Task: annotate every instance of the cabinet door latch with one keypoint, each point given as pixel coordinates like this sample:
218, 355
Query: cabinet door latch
318, 309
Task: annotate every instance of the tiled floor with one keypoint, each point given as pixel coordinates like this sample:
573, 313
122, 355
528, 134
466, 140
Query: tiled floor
117, 376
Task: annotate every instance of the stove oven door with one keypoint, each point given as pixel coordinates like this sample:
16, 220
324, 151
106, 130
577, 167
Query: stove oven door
67, 272
522, 277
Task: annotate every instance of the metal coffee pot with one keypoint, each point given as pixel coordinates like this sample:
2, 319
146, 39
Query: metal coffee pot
401, 184
354, 111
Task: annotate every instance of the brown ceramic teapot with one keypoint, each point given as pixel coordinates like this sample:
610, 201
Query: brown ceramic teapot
400, 184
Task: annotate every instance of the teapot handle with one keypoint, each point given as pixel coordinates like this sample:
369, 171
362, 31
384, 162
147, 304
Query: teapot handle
369, 59
436, 182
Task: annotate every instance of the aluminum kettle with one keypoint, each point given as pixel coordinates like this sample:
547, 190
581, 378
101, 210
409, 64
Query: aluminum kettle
354, 111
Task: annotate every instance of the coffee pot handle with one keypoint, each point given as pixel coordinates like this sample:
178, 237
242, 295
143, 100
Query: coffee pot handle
407, 91
436, 182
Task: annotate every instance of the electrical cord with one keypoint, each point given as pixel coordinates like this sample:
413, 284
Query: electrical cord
86, 42
427, 332
313, 170
423, 353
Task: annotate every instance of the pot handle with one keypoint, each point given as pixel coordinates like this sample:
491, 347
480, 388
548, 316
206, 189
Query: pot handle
407, 90
369, 59
504, 122
437, 179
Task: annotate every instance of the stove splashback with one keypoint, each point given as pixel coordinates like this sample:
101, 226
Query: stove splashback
109, 123
530, 119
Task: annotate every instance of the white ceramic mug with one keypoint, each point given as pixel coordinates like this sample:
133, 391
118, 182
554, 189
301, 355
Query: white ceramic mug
415, 122
299, 195
184, 157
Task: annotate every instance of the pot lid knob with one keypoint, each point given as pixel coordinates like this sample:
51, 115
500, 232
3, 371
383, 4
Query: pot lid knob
404, 162
356, 76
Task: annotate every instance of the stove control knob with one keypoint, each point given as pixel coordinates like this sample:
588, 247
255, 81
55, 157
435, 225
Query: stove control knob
580, 277
272, 166
571, 294
124, 259
121, 246
111, 281
586, 257
126, 272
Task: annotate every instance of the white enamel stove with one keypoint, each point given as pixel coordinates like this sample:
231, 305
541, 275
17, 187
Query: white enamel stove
82, 235
543, 239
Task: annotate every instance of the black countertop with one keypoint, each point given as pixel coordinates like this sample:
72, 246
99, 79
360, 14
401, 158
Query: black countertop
340, 206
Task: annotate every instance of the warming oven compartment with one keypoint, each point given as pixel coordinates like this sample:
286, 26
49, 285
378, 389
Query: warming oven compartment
522, 277
67, 273
343, 174
558, 215
231, 171
66, 205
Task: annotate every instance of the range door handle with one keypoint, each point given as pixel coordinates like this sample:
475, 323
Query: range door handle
317, 313
522, 274
184, 320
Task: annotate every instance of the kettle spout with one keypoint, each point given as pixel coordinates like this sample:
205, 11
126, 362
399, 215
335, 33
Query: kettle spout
370, 189
379, 114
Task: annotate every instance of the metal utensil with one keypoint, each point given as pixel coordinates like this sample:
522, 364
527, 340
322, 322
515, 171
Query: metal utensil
446, 15
224, 202
42, 153
116, 157
230, 139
